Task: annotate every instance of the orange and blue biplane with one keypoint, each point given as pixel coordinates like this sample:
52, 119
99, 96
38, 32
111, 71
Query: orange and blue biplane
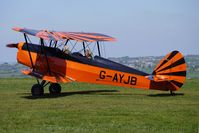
55, 59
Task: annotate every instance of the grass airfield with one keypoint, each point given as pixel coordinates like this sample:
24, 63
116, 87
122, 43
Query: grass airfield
90, 108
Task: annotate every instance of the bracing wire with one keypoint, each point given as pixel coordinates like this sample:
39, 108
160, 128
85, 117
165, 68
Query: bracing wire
104, 49
74, 46
94, 48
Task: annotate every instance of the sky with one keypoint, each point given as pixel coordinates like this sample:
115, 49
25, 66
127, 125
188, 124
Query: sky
141, 27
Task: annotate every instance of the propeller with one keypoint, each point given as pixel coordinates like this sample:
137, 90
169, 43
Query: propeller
12, 45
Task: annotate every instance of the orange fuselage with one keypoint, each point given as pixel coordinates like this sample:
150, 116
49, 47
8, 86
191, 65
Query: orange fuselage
81, 69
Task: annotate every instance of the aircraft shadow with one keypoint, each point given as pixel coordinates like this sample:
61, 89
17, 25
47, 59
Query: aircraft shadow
63, 94
165, 95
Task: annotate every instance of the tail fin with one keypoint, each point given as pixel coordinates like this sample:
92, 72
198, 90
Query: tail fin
172, 68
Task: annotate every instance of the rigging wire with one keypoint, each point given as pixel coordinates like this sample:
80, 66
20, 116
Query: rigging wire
74, 46
104, 49
94, 48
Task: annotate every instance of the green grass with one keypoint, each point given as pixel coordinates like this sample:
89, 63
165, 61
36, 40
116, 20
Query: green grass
89, 108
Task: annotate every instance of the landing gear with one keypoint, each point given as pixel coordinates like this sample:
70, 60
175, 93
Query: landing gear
37, 90
54, 88
172, 93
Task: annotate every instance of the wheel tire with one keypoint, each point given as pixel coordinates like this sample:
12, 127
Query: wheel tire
55, 88
37, 90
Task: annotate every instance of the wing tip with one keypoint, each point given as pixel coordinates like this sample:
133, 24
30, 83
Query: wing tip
16, 28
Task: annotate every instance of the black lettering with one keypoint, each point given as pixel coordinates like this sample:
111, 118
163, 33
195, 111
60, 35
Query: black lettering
121, 77
102, 74
133, 80
127, 82
109, 76
115, 78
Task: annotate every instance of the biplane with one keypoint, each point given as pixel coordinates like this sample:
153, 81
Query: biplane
53, 61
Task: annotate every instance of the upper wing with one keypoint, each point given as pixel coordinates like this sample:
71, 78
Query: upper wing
56, 35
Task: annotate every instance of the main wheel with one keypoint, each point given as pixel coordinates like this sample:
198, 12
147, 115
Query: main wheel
54, 88
37, 90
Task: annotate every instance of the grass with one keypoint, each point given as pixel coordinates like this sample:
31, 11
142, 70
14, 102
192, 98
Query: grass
89, 108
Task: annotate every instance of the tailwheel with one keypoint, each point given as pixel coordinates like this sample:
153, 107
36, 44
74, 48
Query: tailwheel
172, 93
54, 88
37, 90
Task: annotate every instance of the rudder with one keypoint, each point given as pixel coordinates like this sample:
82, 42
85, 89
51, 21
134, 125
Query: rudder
171, 69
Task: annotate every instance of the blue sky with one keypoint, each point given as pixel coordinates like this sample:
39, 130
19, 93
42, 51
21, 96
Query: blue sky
142, 27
